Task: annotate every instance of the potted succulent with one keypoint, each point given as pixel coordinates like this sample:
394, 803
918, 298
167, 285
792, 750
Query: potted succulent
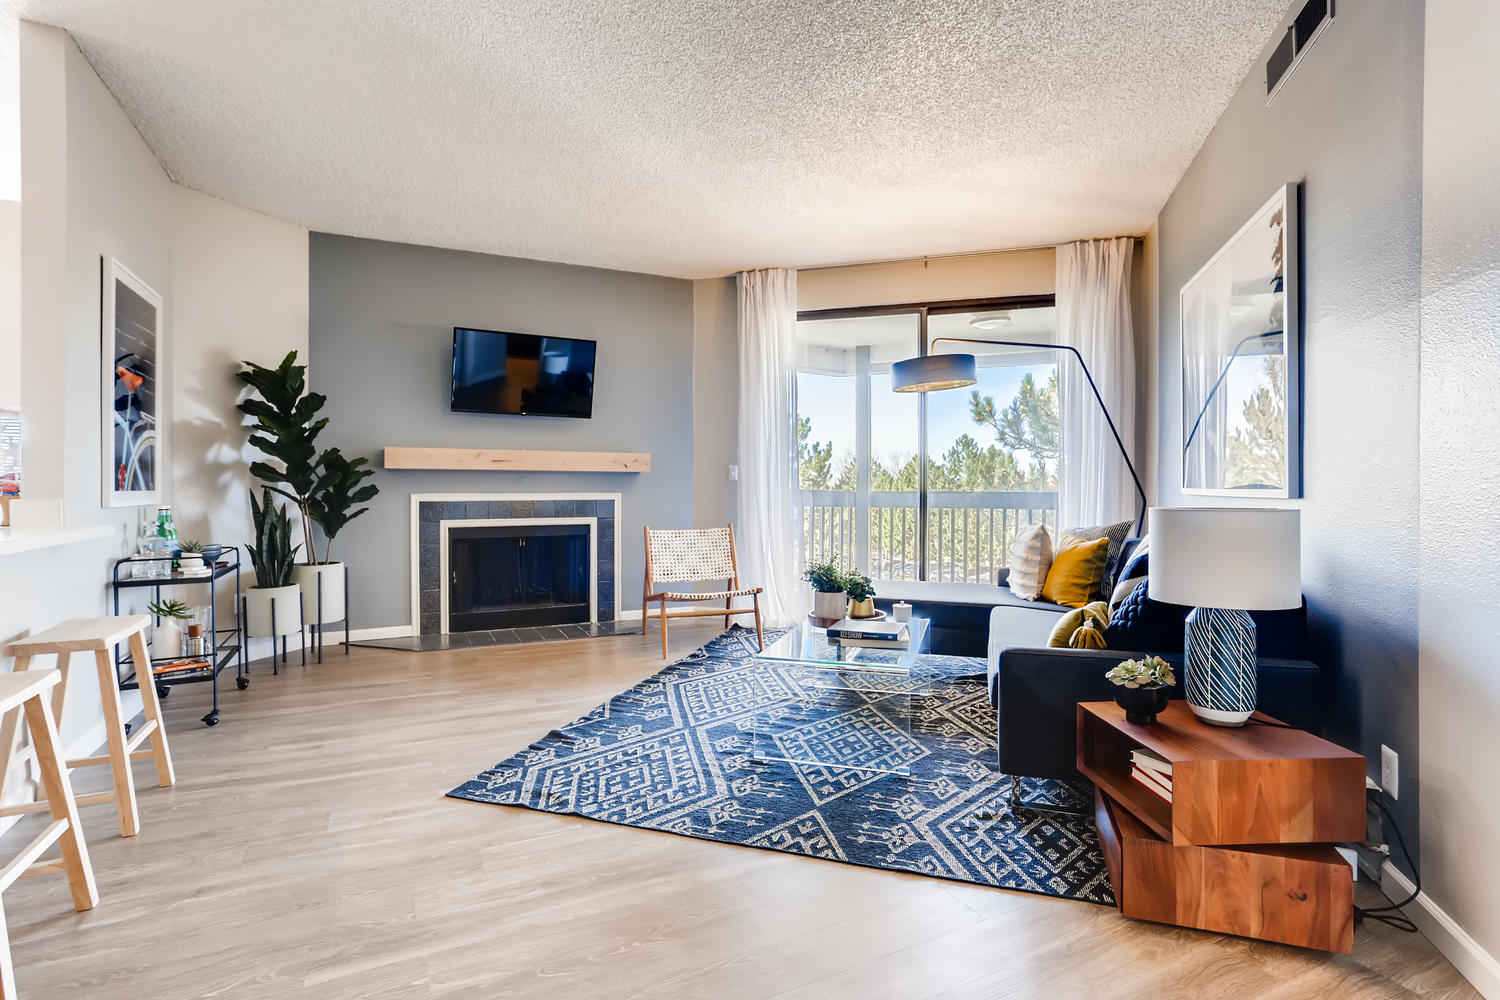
273, 606
828, 590
1142, 688
167, 635
325, 486
861, 596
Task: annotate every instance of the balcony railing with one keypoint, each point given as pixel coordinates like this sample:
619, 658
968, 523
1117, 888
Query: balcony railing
968, 534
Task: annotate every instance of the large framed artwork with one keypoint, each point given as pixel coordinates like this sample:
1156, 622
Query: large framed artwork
132, 363
1241, 362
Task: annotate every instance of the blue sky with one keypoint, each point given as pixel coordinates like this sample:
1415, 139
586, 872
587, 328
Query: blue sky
829, 401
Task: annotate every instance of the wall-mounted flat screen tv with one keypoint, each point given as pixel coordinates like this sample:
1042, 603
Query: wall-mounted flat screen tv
522, 373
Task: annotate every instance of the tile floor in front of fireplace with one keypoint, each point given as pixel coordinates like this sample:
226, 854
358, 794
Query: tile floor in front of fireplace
502, 636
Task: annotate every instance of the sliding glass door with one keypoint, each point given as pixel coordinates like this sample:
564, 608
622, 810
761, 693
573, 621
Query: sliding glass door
924, 486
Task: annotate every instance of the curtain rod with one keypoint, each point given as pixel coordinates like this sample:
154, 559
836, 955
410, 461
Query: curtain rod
942, 256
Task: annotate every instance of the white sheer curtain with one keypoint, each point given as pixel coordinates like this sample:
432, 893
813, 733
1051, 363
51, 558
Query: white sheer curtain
1093, 315
770, 509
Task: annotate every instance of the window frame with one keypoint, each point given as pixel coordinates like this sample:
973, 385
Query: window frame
922, 310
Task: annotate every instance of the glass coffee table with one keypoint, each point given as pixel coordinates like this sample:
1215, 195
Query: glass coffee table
847, 708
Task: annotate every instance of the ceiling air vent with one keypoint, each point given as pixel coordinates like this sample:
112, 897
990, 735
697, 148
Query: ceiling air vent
1301, 33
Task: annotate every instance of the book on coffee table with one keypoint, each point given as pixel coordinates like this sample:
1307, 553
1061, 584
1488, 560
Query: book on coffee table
875, 630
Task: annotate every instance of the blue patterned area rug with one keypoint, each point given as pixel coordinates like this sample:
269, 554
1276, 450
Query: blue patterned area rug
674, 753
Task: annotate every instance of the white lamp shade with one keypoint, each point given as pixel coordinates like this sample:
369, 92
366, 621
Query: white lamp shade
1249, 559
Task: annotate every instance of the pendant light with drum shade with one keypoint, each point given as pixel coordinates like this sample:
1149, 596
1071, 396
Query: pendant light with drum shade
1224, 563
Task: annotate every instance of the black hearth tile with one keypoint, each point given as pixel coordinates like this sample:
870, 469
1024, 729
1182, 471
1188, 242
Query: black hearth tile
429, 513
477, 508
428, 643
453, 510
572, 631
505, 636
429, 533
529, 635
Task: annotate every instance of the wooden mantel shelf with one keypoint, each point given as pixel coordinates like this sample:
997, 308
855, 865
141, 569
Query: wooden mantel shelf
470, 459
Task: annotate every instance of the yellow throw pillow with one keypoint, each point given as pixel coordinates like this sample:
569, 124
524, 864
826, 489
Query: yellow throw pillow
1094, 616
1088, 637
1077, 568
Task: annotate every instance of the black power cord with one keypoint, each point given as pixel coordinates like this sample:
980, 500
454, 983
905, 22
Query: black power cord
1391, 914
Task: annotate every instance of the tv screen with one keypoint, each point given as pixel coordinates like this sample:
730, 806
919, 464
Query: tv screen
522, 373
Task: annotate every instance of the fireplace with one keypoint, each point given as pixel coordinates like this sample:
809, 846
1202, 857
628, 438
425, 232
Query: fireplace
479, 533
518, 575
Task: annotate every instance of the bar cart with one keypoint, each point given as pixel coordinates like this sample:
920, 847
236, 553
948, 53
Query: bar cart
226, 644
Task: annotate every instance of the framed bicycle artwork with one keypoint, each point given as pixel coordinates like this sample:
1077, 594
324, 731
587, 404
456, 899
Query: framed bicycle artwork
133, 365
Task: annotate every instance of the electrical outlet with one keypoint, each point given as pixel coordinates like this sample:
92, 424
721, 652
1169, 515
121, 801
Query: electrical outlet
1390, 778
734, 473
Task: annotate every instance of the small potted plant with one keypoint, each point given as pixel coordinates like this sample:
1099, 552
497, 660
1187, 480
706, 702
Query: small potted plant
273, 606
1142, 688
167, 636
828, 590
190, 560
861, 596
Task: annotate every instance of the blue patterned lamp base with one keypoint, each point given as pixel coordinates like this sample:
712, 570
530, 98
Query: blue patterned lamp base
1220, 682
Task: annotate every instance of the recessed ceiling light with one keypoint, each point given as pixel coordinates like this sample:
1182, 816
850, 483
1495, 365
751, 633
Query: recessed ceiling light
991, 321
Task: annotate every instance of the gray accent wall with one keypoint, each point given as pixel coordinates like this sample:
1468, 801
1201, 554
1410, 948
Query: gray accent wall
380, 338
1347, 126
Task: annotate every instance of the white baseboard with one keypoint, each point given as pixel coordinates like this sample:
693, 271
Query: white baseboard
627, 616
1478, 966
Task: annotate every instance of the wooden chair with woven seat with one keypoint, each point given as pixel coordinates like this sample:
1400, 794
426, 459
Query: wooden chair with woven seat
690, 556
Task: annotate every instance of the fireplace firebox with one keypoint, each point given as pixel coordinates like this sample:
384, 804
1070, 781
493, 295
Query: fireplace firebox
513, 576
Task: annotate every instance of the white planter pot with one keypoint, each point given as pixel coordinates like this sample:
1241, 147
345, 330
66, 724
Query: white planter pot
288, 604
826, 605
166, 639
332, 575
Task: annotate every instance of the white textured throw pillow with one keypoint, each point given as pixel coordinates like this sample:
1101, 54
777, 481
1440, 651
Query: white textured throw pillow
1030, 559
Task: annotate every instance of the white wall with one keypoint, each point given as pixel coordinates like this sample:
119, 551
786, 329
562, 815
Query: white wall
1459, 632
240, 282
229, 279
10, 305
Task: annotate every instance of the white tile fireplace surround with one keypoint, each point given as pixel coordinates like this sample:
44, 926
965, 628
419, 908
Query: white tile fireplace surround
435, 515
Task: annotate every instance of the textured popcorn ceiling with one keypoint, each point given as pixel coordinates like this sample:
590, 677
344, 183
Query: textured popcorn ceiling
681, 137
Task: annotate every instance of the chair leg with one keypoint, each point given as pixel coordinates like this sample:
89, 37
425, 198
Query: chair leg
727, 602
7, 968
10, 739
663, 629
760, 635
114, 732
75, 852
166, 774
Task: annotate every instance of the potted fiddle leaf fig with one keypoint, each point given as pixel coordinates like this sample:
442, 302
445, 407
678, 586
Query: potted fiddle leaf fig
337, 493
828, 590
273, 607
327, 488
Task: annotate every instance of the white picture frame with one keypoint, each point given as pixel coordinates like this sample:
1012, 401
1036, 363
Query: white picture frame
132, 363
1240, 354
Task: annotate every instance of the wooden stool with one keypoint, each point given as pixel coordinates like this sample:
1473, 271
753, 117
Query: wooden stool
99, 636
23, 692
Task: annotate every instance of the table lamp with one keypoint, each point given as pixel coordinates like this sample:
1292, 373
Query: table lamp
1224, 562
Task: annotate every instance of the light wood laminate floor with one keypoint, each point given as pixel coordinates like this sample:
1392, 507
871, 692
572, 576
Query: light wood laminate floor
308, 851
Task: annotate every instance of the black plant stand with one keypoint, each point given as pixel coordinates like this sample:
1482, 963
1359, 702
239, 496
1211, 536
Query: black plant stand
226, 644
319, 624
301, 632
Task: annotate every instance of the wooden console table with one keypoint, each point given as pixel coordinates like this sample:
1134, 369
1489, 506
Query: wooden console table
1246, 845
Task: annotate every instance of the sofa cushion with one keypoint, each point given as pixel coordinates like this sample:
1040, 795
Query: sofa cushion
1116, 533
1095, 614
1030, 560
1157, 627
1077, 574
